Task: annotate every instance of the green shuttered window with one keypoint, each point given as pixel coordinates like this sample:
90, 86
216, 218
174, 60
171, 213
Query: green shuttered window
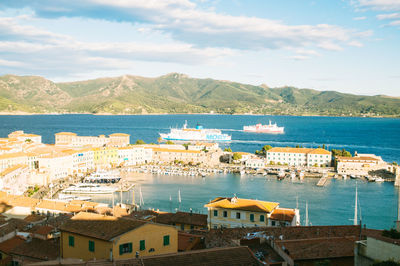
71, 241
142, 245
91, 246
125, 248
166, 240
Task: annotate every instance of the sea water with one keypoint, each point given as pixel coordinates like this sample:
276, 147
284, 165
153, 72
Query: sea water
332, 204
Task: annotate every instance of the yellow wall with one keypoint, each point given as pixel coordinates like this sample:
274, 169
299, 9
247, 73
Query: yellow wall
231, 220
81, 247
153, 235
187, 227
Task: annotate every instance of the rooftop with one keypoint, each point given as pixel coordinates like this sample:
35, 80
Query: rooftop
242, 204
319, 248
182, 218
99, 226
282, 214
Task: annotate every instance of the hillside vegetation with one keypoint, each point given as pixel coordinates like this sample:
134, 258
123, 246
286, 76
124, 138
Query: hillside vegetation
178, 93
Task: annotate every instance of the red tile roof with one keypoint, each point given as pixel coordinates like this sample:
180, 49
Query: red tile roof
281, 214
319, 248
8, 245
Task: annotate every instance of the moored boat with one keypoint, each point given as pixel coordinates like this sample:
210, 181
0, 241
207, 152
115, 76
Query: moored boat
86, 188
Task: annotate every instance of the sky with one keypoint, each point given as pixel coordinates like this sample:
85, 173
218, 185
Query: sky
350, 46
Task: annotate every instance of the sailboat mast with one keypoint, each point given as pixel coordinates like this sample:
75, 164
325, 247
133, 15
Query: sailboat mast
179, 196
355, 209
306, 213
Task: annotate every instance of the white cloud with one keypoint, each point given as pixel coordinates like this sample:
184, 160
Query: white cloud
26, 49
388, 16
185, 21
359, 18
386, 5
395, 23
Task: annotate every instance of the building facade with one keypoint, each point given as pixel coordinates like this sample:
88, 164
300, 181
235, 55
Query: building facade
235, 212
360, 164
90, 236
299, 157
73, 140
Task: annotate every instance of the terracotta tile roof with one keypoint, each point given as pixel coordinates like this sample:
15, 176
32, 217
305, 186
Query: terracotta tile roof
221, 238
32, 218
8, 245
13, 168
219, 256
10, 226
66, 133
242, 204
99, 226
182, 218
356, 159
38, 249
188, 242
320, 151
282, 214
319, 248
290, 150
119, 135
174, 150
42, 229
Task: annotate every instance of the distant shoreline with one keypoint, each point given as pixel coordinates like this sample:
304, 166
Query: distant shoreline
239, 114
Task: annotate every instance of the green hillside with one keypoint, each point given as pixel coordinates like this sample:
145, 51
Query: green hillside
178, 93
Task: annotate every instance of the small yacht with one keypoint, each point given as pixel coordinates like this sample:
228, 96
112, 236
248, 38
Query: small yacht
103, 176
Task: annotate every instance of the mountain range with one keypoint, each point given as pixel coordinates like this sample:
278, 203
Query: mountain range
178, 93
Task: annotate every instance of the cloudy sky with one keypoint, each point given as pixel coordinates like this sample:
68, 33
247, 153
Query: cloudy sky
344, 45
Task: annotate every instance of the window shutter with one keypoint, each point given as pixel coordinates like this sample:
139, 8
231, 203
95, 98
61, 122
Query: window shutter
130, 247
121, 250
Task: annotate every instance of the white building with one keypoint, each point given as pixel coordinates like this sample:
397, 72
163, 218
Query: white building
73, 140
299, 156
134, 155
255, 163
21, 136
15, 180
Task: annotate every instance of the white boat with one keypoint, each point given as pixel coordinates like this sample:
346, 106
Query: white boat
242, 172
293, 176
195, 134
301, 175
86, 188
103, 176
379, 179
281, 174
260, 128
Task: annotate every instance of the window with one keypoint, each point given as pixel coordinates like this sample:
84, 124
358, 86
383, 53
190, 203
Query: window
91, 246
125, 248
251, 217
238, 215
71, 241
261, 218
225, 214
142, 245
182, 227
273, 223
192, 227
166, 240
215, 213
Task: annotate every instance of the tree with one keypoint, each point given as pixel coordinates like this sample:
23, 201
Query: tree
170, 142
395, 163
186, 145
323, 146
140, 142
228, 149
237, 156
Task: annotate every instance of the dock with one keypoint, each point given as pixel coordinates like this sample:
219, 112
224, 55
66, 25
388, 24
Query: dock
322, 182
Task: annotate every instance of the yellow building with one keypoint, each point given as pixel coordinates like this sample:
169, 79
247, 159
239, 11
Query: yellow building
92, 236
236, 212
106, 157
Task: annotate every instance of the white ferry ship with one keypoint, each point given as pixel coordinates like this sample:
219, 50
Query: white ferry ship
260, 128
85, 188
195, 134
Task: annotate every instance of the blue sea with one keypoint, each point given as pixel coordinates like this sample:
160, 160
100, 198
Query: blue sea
333, 204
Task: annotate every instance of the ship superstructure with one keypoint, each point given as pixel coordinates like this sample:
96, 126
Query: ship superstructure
260, 128
195, 134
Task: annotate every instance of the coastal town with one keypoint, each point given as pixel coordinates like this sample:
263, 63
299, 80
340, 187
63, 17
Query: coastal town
45, 217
